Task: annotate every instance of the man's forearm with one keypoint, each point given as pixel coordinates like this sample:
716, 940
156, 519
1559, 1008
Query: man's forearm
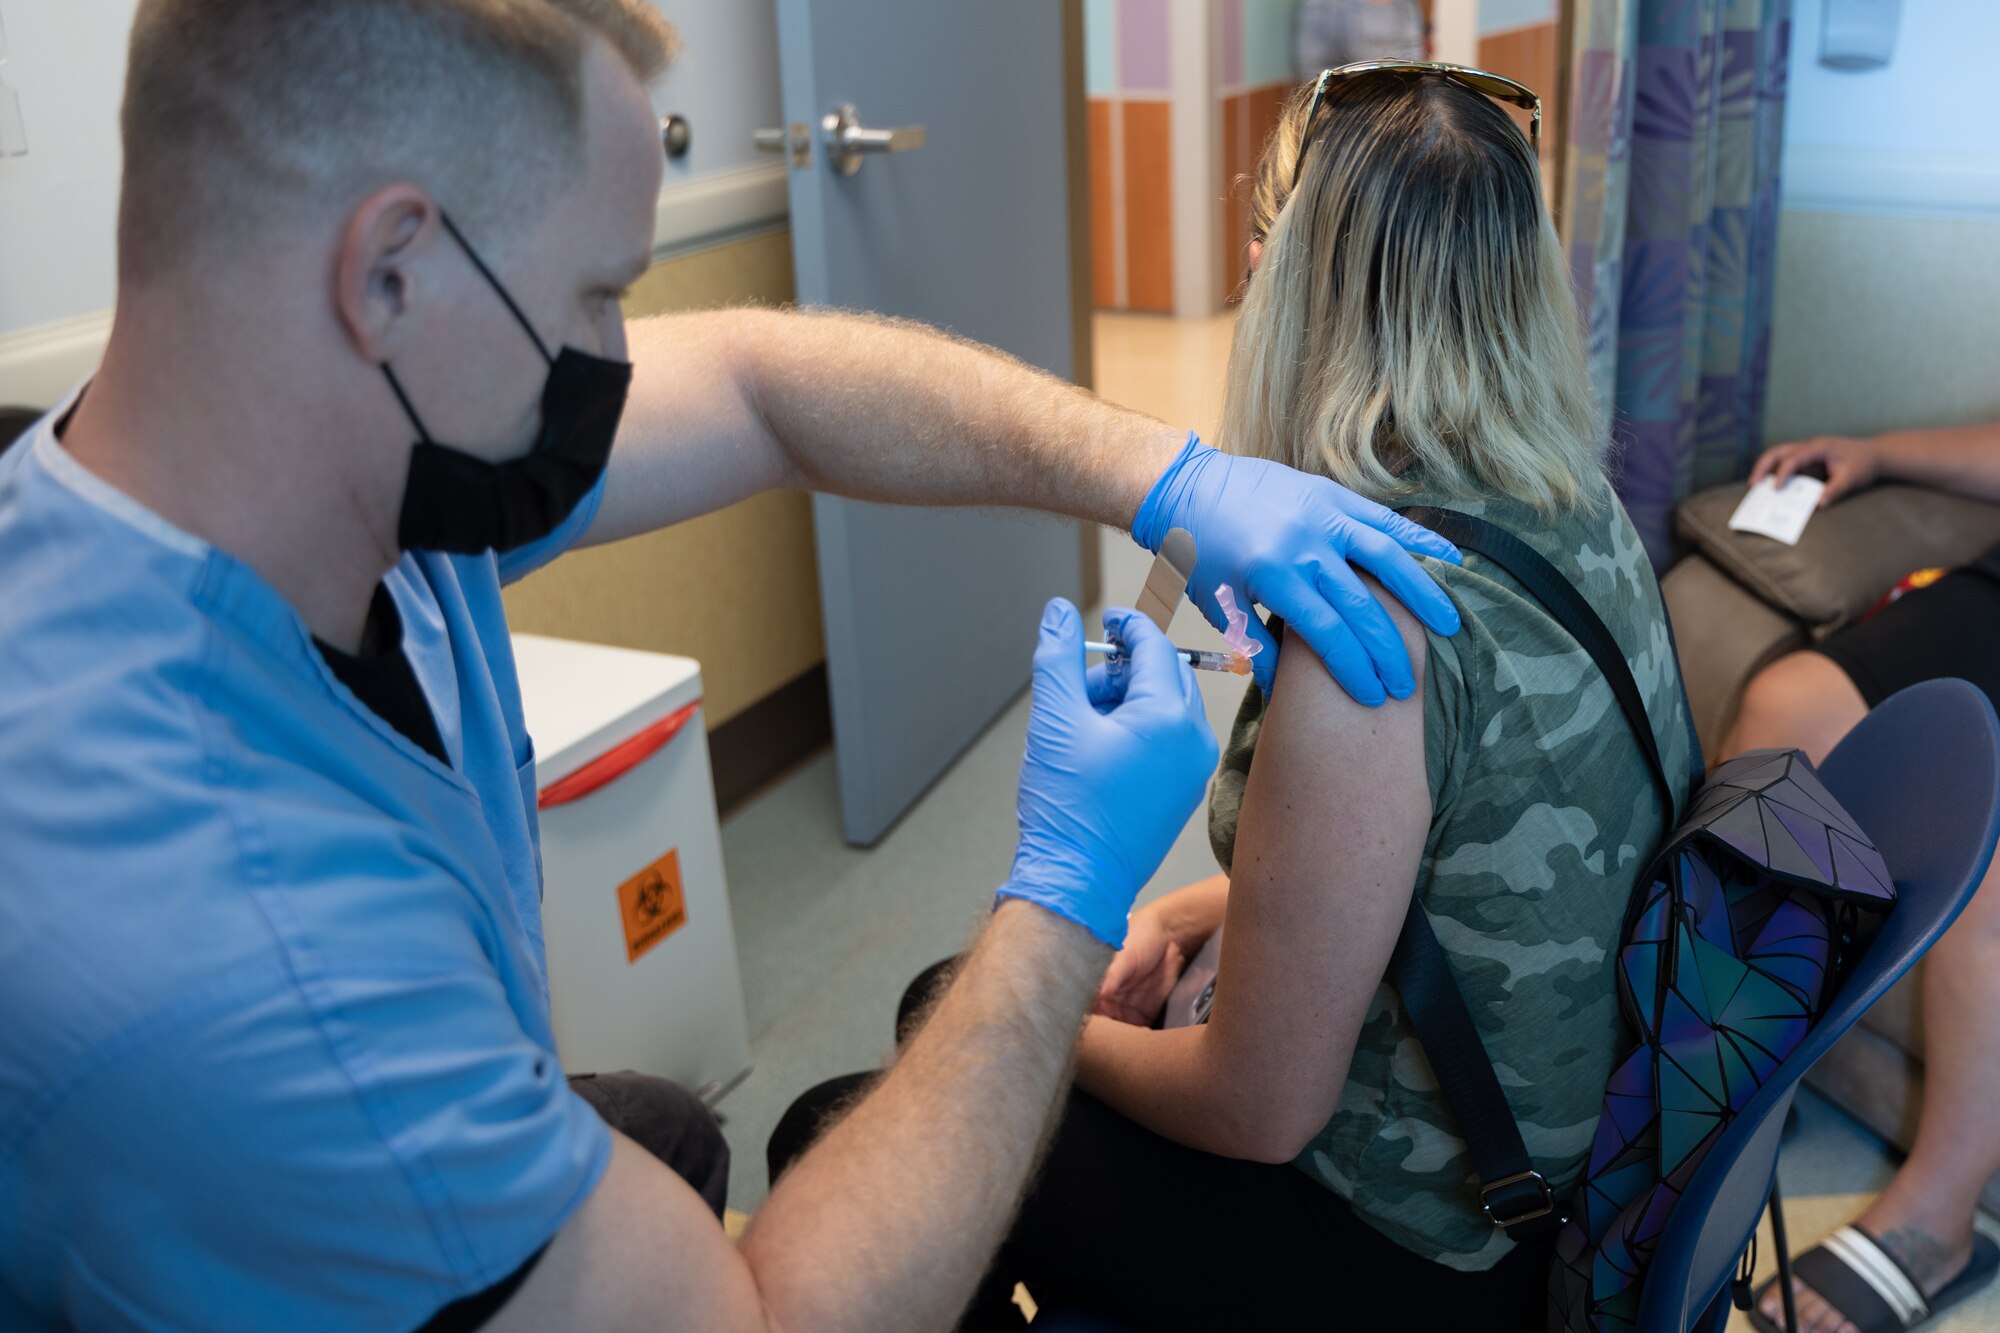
898, 412
891, 1220
1961, 459
728, 403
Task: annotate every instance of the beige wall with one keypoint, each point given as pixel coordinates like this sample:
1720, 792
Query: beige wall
736, 590
1883, 322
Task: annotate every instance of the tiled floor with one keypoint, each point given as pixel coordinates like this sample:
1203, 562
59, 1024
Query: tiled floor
1830, 1169
830, 935
1172, 368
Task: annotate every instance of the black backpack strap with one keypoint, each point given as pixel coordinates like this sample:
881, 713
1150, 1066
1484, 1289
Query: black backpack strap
1514, 1196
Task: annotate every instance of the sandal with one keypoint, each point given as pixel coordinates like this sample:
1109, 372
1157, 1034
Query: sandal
1856, 1276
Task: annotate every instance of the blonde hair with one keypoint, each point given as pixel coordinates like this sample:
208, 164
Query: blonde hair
1411, 308
242, 115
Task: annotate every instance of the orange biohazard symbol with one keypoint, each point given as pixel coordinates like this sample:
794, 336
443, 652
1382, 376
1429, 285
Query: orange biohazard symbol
652, 905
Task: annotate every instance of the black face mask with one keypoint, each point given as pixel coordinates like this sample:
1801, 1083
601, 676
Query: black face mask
464, 505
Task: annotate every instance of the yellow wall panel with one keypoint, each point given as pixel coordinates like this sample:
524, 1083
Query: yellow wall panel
1149, 206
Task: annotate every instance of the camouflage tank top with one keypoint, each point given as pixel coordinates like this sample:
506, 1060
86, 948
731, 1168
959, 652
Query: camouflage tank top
1544, 815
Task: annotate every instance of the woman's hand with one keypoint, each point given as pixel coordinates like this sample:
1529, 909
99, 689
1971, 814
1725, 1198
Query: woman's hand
1143, 973
1850, 465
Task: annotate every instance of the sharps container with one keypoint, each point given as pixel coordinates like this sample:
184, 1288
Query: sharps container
643, 971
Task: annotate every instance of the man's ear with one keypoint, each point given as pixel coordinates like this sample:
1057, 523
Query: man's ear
375, 273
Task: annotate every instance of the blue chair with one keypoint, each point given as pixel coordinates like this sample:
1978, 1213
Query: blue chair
1921, 774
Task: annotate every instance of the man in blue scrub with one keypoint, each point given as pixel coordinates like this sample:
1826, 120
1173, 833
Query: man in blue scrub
274, 1035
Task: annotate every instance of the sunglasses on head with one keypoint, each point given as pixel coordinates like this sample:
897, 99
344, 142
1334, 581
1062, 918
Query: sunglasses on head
1496, 86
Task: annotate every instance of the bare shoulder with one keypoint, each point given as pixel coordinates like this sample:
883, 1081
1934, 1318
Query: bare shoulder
1331, 774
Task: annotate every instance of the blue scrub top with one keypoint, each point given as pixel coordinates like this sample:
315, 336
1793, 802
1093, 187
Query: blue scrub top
275, 1047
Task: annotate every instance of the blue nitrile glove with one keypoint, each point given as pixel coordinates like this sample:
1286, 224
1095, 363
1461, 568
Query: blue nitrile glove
1284, 539
1116, 763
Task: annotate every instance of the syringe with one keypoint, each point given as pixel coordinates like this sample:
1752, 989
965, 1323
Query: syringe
1201, 659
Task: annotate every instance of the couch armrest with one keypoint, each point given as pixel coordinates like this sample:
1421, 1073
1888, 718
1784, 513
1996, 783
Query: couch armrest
1725, 633
1850, 554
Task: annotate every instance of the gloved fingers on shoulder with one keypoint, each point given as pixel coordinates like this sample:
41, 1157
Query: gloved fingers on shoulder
1382, 519
1306, 613
1411, 583
1362, 612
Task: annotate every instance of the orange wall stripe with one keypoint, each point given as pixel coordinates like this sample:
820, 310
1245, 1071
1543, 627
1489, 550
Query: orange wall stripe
1149, 206
1528, 55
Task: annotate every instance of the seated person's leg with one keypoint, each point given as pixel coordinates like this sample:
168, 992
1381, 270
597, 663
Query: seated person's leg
667, 1121
1802, 701
1809, 700
1924, 1219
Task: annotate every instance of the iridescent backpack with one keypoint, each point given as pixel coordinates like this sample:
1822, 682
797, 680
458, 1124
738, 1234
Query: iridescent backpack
1738, 935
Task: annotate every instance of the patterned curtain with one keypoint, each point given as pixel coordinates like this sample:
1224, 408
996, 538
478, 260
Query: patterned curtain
1669, 213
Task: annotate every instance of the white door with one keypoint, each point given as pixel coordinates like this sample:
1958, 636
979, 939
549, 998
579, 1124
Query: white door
960, 218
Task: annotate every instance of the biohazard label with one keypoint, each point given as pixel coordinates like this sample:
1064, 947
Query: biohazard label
652, 905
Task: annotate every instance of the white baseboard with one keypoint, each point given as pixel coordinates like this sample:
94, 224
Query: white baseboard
711, 210
41, 364
1817, 178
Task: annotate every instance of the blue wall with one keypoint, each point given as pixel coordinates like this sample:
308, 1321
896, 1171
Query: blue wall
1919, 136
1935, 95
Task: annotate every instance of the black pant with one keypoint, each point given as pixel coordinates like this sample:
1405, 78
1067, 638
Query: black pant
667, 1121
1951, 628
1132, 1227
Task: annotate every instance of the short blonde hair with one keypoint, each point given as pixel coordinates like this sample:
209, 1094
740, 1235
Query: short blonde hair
1411, 308
240, 114
646, 40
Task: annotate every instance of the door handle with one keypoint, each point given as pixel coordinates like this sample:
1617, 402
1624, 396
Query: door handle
676, 136
797, 141
847, 139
